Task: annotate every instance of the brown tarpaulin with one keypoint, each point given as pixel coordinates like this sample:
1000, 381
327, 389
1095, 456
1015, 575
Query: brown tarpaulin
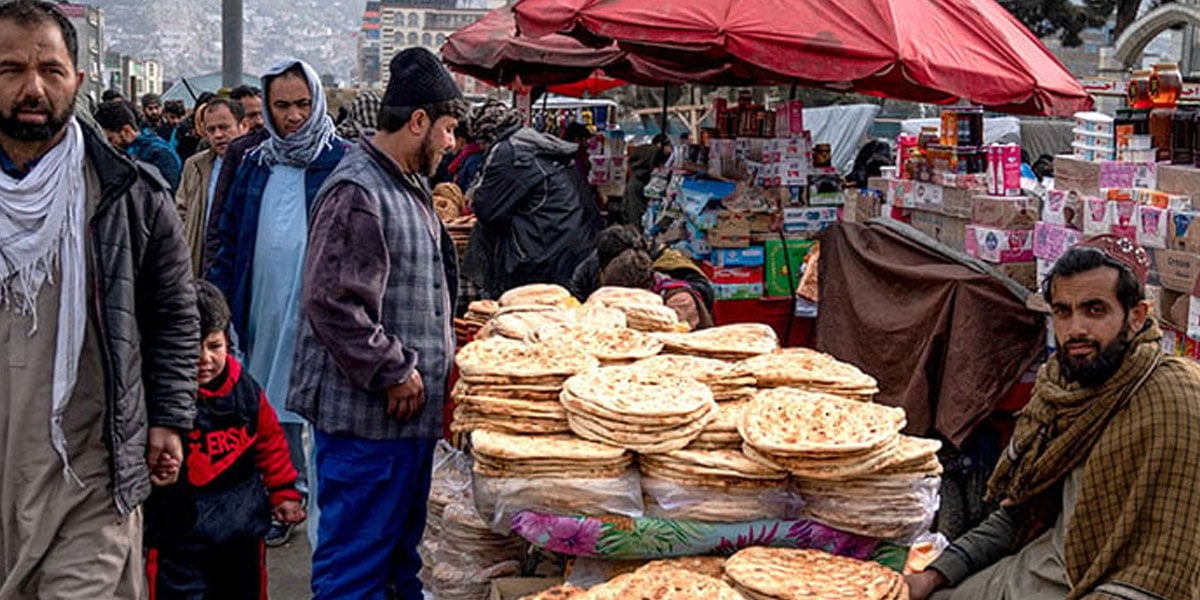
946, 335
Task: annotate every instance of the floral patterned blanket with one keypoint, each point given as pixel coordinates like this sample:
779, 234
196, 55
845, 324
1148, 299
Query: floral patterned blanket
626, 538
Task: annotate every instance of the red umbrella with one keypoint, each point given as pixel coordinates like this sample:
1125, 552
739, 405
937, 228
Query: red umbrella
908, 49
597, 83
492, 50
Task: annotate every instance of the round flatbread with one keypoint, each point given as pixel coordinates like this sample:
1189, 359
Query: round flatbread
513, 447
809, 574
739, 340
494, 359
546, 294
626, 391
788, 421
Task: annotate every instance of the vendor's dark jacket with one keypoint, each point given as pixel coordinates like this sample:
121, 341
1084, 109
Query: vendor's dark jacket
529, 204
145, 302
234, 154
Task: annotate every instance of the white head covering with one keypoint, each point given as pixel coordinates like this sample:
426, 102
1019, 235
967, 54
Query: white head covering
303, 147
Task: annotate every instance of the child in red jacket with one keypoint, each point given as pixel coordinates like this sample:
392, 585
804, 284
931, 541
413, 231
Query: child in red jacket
205, 534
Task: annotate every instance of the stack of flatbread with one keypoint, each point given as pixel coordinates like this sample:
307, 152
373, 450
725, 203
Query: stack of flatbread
722, 432
727, 342
470, 554
546, 294
644, 310
610, 345
663, 583
894, 503
712, 485
477, 316
760, 573
536, 456
710, 566
811, 370
818, 436
727, 381
521, 321
512, 386
639, 411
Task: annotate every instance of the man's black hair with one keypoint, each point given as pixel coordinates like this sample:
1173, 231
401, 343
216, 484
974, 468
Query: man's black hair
394, 118
37, 12
214, 310
148, 99
245, 91
660, 139
1078, 260
204, 97
576, 131
234, 107
615, 239
114, 115
174, 108
110, 95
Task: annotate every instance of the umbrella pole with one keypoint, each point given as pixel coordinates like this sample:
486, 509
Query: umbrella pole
795, 91
664, 112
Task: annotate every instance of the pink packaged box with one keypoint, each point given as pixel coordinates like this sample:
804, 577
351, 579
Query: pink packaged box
600, 172
1096, 216
1004, 169
1051, 241
1153, 225
1000, 246
1128, 175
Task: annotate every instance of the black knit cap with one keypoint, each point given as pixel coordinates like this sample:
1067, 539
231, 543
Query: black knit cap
419, 79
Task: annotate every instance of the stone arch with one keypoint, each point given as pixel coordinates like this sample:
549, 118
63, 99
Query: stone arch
1129, 47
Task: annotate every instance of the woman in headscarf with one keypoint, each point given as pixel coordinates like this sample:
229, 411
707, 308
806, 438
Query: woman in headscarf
264, 231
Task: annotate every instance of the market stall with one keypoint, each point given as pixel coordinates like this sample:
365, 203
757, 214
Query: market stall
607, 431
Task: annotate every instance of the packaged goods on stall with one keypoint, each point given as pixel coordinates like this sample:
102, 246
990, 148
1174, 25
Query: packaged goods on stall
999, 246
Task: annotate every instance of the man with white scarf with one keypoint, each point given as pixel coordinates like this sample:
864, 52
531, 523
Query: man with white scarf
263, 232
99, 333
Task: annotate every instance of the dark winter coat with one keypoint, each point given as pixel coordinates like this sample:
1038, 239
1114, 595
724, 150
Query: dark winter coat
529, 204
146, 306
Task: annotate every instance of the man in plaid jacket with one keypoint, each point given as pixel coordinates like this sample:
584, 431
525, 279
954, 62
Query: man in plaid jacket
379, 288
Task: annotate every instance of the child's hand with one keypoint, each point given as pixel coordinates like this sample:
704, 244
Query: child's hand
289, 511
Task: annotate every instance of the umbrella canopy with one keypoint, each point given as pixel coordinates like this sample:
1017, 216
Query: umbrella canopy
492, 50
597, 83
918, 50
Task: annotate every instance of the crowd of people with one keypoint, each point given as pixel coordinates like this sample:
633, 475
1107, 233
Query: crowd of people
219, 325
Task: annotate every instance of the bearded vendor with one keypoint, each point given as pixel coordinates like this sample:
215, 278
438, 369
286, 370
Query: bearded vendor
1098, 487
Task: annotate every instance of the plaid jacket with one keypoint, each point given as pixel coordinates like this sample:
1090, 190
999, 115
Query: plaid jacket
380, 282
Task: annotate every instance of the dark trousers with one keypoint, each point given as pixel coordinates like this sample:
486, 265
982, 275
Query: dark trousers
372, 496
232, 571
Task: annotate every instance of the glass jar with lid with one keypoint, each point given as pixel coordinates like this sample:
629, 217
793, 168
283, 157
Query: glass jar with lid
1166, 82
1138, 92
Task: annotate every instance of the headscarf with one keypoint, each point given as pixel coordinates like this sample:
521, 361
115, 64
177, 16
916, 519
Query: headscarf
303, 147
492, 119
363, 117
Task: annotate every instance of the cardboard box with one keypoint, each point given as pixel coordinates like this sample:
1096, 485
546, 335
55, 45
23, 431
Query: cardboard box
949, 230
862, 205
753, 256
1051, 241
732, 223
782, 273
899, 192
1024, 273
927, 196
1152, 225
1004, 212
1096, 217
1126, 175
735, 283
1178, 179
809, 219
1000, 246
1176, 270
1079, 176
720, 238
1171, 307
1063, 208
1180, 233
512, 588
957, 202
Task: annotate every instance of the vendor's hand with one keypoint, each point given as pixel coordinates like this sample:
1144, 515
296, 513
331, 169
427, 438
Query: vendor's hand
289, 511
406, 399
164, 455
922, 585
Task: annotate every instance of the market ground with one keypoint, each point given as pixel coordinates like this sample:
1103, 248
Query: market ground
288, 568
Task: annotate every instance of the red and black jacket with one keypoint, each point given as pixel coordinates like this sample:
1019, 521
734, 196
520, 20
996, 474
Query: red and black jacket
234, 451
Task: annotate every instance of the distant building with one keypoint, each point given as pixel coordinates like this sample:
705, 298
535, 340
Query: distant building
89, 25
132, 76
1084, 59
389, 26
